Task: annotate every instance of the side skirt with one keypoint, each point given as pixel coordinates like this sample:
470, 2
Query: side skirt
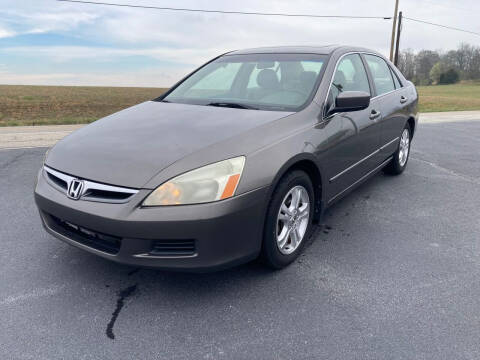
359, 181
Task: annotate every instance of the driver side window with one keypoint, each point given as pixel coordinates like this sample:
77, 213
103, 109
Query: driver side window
350, 75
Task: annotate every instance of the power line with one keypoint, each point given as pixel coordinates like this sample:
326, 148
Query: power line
228, 12
264, 13
442, 26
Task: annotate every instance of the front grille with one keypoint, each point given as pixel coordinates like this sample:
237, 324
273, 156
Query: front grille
96, 240
92, 191
173, 248
105, 195
57, 181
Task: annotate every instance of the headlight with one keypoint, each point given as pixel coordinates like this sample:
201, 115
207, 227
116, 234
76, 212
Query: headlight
213, 182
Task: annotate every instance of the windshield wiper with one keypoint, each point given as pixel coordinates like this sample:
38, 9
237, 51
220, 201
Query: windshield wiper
232, 105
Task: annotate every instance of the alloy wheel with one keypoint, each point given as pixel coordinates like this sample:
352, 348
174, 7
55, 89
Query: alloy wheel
404, 147
292, 219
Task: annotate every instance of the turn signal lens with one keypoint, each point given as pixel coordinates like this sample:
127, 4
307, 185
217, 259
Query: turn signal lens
213, 182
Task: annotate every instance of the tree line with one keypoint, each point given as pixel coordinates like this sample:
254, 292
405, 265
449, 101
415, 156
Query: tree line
428, 67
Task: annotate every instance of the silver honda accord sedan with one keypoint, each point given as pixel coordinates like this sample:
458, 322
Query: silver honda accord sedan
236, 161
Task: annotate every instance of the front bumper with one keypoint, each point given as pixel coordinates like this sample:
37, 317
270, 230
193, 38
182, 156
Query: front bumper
200, 237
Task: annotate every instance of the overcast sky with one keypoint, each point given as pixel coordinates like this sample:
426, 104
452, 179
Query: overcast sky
57, 43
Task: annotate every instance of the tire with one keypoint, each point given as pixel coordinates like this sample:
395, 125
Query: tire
281, 227
399, 162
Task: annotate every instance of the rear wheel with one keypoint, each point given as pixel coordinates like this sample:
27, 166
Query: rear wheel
289, 219
400, 158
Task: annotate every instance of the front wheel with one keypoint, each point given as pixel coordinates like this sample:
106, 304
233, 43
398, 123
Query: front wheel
400, 158
289, 219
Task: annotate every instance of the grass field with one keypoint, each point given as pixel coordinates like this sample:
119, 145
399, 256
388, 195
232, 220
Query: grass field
39, 105
456, 97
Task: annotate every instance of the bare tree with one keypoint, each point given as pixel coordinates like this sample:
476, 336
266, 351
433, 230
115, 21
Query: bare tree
424, 62
406, 63
417, 67
462, 56
450, 59
472, 66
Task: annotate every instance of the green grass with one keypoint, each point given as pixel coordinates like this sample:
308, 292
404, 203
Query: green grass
457, 97
42, 105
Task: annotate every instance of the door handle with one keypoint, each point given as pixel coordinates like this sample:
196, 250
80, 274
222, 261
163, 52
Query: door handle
403, 99
374, 114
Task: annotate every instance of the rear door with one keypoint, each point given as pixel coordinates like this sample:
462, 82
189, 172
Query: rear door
355, 136
392, 99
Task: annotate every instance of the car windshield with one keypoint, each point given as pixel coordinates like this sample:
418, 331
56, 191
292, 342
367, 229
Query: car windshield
282, 82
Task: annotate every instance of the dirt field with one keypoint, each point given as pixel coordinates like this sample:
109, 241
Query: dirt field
40, 105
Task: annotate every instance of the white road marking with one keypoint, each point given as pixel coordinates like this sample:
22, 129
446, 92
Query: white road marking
32, 295
450, 172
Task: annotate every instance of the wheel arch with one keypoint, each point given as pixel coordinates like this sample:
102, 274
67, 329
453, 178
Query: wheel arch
411, 122
305, 162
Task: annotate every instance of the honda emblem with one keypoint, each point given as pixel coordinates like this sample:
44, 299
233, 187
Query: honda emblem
75, 189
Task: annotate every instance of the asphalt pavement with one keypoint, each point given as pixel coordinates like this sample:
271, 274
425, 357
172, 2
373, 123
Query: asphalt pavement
393, 272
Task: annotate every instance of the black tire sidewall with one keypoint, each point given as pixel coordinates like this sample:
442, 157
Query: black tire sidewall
270, 252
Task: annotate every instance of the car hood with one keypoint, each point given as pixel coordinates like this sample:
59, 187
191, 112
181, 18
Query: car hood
128, 148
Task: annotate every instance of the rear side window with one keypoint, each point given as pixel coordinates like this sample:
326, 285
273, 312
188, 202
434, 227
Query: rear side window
350, 75
382, 77
398, 85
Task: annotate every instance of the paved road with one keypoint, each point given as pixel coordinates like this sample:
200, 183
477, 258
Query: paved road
393, 274
33, 136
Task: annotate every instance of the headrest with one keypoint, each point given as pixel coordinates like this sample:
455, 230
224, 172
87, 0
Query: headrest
308, 77
339, 78
267, 78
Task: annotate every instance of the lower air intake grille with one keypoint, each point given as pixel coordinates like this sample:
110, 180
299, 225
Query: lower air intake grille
173, 248
99, 241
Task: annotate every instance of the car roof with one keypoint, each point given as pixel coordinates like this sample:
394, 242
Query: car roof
323, 50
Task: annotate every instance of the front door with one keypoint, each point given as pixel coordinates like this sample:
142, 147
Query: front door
354, 137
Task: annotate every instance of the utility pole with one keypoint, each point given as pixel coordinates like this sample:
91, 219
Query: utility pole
393, 29
399, 30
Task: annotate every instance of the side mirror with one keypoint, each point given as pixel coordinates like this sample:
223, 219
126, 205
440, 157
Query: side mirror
351, 101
